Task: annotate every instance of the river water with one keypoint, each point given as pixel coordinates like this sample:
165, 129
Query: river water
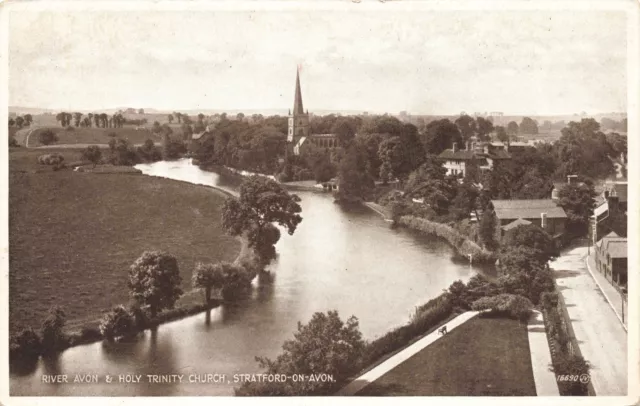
349, 260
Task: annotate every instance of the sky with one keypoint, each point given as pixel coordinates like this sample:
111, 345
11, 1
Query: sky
426, 62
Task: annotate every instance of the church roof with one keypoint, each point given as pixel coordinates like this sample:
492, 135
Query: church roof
297, 103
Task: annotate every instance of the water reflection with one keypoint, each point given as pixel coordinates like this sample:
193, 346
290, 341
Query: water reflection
342, 258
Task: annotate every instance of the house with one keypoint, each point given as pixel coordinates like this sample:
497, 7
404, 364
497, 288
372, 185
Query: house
541, 212
612, 259
482, 155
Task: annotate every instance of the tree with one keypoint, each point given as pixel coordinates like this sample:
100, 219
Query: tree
170, 118
578, 201
345, 130
140, 111
154, 281
354, 182
440, 135
92, 154
47, 137
156, 127
512, 129
484, 128
19, 121
528, 126
53, 337
208, 277
77, 117
11, 122
262, 202
395, 163
536, 241
487, 229
28, 119
119, 322
149, 152
429, 182
501, 134
240, 116
467, 126
325, 345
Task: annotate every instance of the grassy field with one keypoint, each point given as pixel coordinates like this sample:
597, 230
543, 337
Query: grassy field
73, 236
95, 135
483, 357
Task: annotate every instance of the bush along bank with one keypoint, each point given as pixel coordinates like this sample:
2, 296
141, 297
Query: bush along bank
127, 322
565, 354
465, 248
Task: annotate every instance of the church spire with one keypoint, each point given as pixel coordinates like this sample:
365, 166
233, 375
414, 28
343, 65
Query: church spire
297, 104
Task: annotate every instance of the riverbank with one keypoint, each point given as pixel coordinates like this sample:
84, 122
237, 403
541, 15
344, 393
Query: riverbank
78, 233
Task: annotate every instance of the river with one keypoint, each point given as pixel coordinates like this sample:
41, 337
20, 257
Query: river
349, 260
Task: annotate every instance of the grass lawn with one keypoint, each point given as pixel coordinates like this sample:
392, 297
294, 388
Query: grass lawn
482, 357
95, 135
73, 236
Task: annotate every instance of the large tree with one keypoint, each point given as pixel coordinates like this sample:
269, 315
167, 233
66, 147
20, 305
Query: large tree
429, 182
484, 128
354, 181
261, 203
440, 135
578, 201
324, 345
154, 281
528, 126
533, 238
345, 130
583, 150
501, 134
512, 129
467, 126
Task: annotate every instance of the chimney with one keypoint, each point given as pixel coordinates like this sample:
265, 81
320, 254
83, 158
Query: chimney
455, 147
543, 220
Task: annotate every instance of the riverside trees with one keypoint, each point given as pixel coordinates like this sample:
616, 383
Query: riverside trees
262, 202
154, 281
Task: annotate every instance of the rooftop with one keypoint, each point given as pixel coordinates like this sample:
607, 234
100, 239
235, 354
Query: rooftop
527, 209
323, 135
461, 154
516, 223
616, 248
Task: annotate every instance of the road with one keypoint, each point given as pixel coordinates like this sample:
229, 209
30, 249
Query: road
600, 336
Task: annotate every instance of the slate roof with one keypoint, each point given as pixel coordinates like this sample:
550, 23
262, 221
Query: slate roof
516, 223
462, 155
323, 135
617, 248
527, 209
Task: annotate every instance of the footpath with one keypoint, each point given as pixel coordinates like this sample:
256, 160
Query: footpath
610, 293
544, 378
601, 336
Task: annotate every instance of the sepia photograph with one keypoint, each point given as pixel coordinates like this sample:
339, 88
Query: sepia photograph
303, 199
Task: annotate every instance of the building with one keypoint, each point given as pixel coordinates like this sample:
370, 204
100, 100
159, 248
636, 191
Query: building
543, 213
299, 138
612, 259
483, 156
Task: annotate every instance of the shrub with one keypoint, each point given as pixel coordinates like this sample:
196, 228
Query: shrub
173, 148
51, 159
25, 345
70, 128
549, 301
117, 323
47, 137
574, 365
92, 154
236, 281
148, 152
512, 306
53, 337
425, 318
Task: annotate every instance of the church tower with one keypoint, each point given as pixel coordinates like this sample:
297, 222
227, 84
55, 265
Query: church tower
299, 120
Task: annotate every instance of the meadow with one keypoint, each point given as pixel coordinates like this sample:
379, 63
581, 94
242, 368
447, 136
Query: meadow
73, 236
483, 357
95, 135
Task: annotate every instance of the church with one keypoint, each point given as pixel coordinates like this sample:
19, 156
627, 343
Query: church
299, 138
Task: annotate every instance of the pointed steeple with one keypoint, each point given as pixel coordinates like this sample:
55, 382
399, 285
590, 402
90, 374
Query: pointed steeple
297, 103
